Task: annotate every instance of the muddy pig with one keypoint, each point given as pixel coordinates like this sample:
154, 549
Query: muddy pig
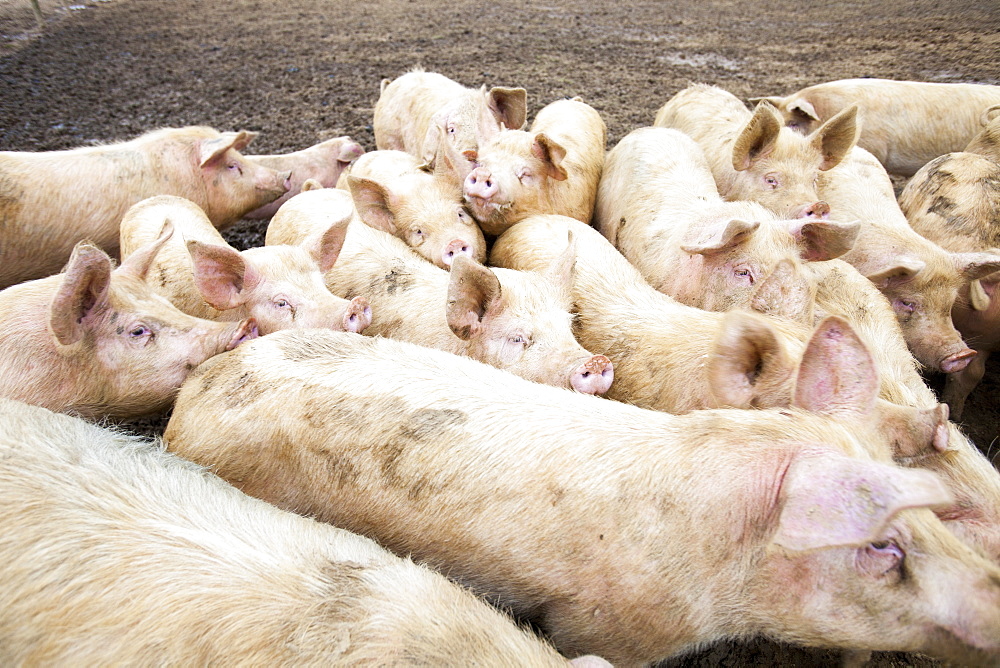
437, 119
658, 204
954, 201
634, 534
323, 162
115, 552
904, 124
920, 278
514, 320
51, 200
554, 168
280, 286
394, 193
753, 156
99, 342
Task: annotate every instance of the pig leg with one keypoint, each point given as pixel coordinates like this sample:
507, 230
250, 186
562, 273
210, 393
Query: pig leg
959, 384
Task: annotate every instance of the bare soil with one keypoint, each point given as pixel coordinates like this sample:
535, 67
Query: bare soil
300, 71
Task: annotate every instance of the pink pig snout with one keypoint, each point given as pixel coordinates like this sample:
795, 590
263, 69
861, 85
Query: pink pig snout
358, 315
456, 247
479, 183
818, 209
957, 361
593, 376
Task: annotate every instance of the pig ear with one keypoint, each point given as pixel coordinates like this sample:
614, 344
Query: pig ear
563, 267
989, 114
976, 265
823, 239
310, 184
350, 150
785, 293
326, 248
803, 109
83, 289
473, 291
913, 432
373, 203
773, 100
902, 269
832, 500
221, 274
437, 133
744, 354
835, 138
213, 149
757, 139
979, 299
837, 373
552, 154
139, 262
509, 105
719, 237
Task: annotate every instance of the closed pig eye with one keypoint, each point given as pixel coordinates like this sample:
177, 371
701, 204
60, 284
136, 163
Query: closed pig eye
744, 273
235, 167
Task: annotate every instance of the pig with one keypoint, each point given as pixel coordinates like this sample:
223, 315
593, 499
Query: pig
987, 142
904, 125
114, 552
734, 359
98, 342
633, 534
954, 201
437, 119
554, 168
753, 157
658, 204
517, 321
971, 478
279, 286
394, 193
324, 162
51, 200
920, 279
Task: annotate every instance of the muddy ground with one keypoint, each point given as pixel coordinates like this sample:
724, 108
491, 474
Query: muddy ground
299, 71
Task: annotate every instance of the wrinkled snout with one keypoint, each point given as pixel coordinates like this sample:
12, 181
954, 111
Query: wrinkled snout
479, 183
593, 376
246, 331
819, 210
358, 315
957, 361
454, 248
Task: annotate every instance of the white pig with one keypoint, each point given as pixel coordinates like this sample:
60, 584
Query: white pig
554, 168
630, 533
904, 124
280, 286
394, 193
437, 119
323, 162
658, 204
920, 278
51, 200
99, 342
517, 321
113, 552
987, 142
753, 156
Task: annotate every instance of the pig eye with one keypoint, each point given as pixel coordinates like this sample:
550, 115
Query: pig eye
744, 273
771, 180
880, 558
452, 129
235, 167
518, 339
523, 174
140, 333
906, 305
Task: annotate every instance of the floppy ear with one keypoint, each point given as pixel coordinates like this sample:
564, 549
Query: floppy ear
552, 154
979, 300
139, 262
758, 137
802, 109
718, 237
824, 239
373, 202
989, 114
221, 274
213, 149
913, 432
84, 289
745, 351
562, 269
976, 265
326, 248
835, 138
837, 373
832, 500
473, 292
902, 269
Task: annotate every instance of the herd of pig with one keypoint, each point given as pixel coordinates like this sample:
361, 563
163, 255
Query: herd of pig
742, 287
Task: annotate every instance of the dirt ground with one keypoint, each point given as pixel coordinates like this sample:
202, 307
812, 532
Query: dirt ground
299, 71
